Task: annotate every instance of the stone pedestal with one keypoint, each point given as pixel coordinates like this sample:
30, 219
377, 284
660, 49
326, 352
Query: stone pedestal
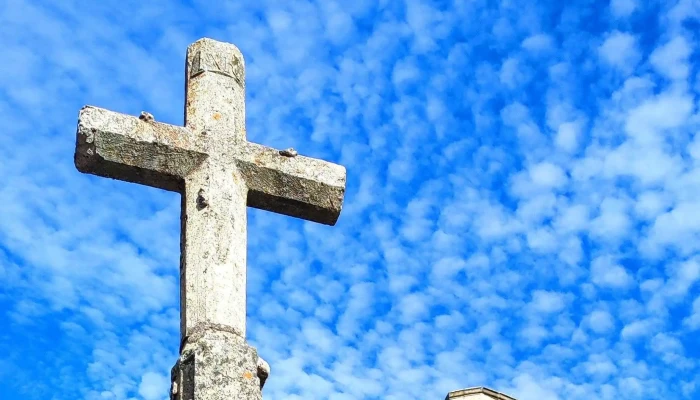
218, 365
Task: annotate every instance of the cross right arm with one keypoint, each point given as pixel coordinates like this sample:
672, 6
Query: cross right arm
123, 147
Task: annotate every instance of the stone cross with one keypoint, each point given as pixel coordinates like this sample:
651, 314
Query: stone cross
218, 173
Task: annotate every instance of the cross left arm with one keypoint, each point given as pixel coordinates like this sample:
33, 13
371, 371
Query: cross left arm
123, 147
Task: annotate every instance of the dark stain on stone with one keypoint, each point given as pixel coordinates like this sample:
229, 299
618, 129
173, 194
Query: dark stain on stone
202, 201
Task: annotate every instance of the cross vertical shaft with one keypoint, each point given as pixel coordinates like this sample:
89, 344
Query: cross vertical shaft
213, 268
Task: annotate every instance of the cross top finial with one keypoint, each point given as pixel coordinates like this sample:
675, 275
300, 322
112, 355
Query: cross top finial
215, 95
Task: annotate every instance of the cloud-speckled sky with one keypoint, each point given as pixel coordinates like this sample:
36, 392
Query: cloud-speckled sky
521, 212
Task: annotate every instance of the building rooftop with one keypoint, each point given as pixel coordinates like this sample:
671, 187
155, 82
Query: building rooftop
476, 391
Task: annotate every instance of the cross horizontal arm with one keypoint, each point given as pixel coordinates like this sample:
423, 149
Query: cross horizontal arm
124, 147
297, 186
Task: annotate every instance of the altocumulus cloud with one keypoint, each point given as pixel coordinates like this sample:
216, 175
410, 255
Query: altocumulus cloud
521, 209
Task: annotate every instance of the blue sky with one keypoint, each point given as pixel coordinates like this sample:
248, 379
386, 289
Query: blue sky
521, 210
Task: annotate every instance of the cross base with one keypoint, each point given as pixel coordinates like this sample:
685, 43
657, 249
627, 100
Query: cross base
218, 365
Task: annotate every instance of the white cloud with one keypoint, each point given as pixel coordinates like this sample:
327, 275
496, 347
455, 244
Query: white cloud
533, 335
513, 74
153, 386
674, 228
684, 277
670, 59
600, 321
538, 43
622, 8
619, 50
539, 177
600, 367
531, 388
613, 221
572, 218
650, 204
646, 123
637, 329
447, 268
607, 273
534, 209
663, 343
541, 241
547, 302
567, 137
693, 320
547, 175
413, 307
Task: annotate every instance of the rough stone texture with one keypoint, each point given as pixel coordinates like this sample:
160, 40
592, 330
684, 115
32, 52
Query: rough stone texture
123, 147
216, 365
218, 172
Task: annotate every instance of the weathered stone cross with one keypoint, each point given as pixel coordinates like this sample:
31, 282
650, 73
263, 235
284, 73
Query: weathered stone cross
218, 172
